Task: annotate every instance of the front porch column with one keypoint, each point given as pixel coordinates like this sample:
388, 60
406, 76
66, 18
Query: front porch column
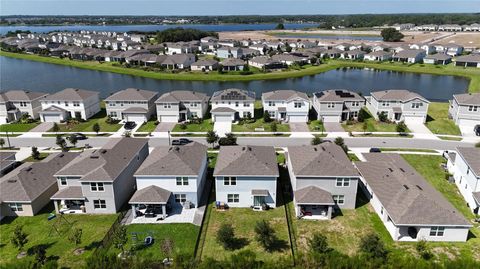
164, 211
134, 212
329, 214
55, 203
299, 211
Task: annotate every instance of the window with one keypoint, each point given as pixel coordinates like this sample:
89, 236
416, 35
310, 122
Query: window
473, 108
437, 231
99, 204
76, 103
182, 181
233, 198
385, 103
63, 181
167, 105
339, 199
23, 104
96, 187
330, 105
355, 103
272, 114
416, 105
16, 207
343, 182
246, 104
194, 104
194, 114
271, 103
297, 104
236, 104
229, 181
111, 103
246, 114
180, 198
113, 114
66, 103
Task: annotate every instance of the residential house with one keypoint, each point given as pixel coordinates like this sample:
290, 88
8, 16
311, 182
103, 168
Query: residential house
100, 181
227, 43
466, 173
454, 50
286, 105
204, 65
403, 26
465, 111
178, 61
474, 27
409, 56
179, 106
7, 162
409, 207
337, 105
246, 176
229, 52
399, 105
69, 103
471, 60
15, 103
232, 64
265, 62
441, 59
232, 104
208, 39
427, 27
378, 55
27, 189
290, 59
428, 48
353, 54
450, 28
323, 179
331, 53
171, 178
131, 105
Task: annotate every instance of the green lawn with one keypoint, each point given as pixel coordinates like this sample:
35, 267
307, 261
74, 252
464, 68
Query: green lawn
316, 126
184, 236
409, 149
43, 155
149, 126
372, 126
259, 123
40, 232
17, 127
87, 126
353, 157
438, 121
205, 126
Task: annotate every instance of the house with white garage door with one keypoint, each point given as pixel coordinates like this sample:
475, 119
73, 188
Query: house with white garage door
15, 103
286, 105
337, 105
232, 104
179, 106
131, 105
399, 105
408, 206
465, 111
69, 103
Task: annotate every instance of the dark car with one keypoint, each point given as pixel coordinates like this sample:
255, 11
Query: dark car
375, 150
129, 125
80, 136
181, 141
476, 129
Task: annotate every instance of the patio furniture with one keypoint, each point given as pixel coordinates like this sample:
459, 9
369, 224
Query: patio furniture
221, 205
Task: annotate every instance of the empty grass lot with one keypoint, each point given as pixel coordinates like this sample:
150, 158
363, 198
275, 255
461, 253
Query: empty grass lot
438, 121
205, 126
40, 233
259, 123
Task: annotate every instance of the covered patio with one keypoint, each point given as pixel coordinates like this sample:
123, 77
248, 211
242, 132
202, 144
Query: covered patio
150, 203
69, 200
313, 203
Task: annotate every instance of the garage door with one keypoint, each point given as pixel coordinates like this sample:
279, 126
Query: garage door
168, 119
135, 118
297, 119
51, 118
412, 119
331, 118
223, 118
468, 123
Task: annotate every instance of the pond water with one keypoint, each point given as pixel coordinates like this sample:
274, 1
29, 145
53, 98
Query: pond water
38, 76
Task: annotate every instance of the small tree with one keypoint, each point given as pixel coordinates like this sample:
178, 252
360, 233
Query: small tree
265, 235
318, 244
423, 250
120, 238
365, 126
40, 255
35, 153
316, 140
2, 142
372, 246
72, 139
391, 35
226, 236
55, 127
266, 117
363, 115
166, 246
339, 141
61, 142
19, 237
274, 126
229, 140
96, 127
383, 116
212, 137
76, 236
280, 26
401, 127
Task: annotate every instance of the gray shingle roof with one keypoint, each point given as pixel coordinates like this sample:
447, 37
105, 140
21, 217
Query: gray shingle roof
222, 109
246, 161
286, 95
30, 180
72, 192
313, 195
471, 157
174, 161
408, 53
439, 57
71, 94
380, 53
20, 95
205, 62
233, 95
150, 195
232, 62
472, 58
338, 95
182, 96
132, 94
407, 197
104, 164
396, 95
468, 98
326, 159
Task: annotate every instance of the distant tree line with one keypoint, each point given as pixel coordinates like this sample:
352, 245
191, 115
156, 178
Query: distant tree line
181, 34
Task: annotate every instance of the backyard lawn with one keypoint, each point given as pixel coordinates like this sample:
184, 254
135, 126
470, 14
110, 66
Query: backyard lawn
205, 126
372, 126
17, 127
87, 126
438, 121
259, 123
40, 233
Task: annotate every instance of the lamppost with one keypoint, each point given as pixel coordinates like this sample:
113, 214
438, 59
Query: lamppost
169, 137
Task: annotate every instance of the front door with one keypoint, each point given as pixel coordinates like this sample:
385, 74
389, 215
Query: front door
283, 115
258, 200
398, 116
78, 115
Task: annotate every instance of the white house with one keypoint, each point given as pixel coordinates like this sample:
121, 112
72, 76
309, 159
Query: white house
171, 178
179, 106
286, 105
399, 105
337, 105
15, 103
409, 207
232, 104
131, 105
70, 103
410, 55
465, 111
378, 55
246, 176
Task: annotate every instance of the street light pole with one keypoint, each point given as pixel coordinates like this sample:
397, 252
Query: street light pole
169, 143
8, 140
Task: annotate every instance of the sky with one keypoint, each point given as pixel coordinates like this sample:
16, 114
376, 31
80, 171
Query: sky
232, 7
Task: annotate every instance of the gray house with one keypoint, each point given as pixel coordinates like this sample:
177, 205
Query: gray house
465, 111
100, 181
410, 55
180, 106
131, 105
337, 105
246, 176
17, 102
399, 105
323, 178
7, 162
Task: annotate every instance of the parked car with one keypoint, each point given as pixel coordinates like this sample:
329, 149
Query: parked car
181, 141
80, 136
476, 129
375, 150
129, 125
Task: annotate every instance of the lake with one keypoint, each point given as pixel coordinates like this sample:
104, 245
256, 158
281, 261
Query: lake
38, 76
152, 27
333, 37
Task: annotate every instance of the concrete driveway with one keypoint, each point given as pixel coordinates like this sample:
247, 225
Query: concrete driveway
221, 128
420, 130
333, 127
298, 127
42, 127
165, 126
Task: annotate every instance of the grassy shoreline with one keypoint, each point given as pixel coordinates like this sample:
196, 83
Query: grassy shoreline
470, 73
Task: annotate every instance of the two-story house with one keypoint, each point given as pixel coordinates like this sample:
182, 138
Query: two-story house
171, 178
15, 103
408, 206
337, 105
232, 104
246, 176
100, 181
465, 111
286, 105
399, 105
323, 179
27, 189
131, 105
70, 103
179, 106
466, 172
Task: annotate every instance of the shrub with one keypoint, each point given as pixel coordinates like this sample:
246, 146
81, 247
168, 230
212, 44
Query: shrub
35, 153
265, 235
372, 246
274, 126
226, 236
266, 117
183, 126
423, 250
401, 127
19, 237
318, 244
363, 115
383, 116
316, 140
229, 140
